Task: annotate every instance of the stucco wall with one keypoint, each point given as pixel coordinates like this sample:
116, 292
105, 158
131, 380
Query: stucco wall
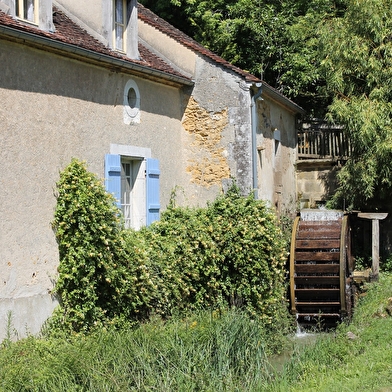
276, 149
179, 56
54, 109
217, 119
94, 13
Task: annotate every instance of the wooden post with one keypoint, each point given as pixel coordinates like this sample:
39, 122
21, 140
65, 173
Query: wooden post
375, 249
375, 217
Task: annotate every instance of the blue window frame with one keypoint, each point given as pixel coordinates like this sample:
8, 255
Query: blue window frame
119, 182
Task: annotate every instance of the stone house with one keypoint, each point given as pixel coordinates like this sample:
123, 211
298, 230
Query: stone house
147, 108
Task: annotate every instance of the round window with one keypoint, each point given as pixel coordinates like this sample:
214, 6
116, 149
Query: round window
132, 98
131, 102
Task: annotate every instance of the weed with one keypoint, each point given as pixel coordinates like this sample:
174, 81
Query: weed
8, 330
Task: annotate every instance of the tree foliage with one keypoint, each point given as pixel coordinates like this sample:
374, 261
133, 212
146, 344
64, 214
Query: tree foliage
357, 61
273, 39
302, 76
249, 34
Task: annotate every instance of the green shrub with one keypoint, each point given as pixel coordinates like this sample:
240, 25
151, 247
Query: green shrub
386, 265
96, 280
229, 254
252, 254
180, 245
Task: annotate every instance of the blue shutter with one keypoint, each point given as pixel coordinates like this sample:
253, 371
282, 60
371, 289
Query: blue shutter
113, 176
152, 190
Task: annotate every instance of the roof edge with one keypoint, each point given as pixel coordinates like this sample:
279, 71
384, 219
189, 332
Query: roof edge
93, 57
281, 99
147, 16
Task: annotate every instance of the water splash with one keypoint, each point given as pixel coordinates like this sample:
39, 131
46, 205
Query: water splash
301, 333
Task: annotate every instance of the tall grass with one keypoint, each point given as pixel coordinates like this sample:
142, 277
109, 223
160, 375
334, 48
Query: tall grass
205, 352
210, 352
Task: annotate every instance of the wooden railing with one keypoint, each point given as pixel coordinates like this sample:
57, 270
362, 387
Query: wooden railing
319, 140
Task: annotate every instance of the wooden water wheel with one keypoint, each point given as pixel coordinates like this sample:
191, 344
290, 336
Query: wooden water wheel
321, 268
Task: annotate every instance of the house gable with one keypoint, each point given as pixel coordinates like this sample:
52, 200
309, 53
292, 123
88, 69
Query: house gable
148, 22
148, 17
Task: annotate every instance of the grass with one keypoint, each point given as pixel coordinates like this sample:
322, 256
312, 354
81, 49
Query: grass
210, 352
204, 352
357, 357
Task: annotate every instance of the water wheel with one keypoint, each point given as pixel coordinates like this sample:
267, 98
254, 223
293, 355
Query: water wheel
321, 268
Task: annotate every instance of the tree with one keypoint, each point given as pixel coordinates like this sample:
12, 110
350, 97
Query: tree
302, 77
273, 39
251, 34
357, 62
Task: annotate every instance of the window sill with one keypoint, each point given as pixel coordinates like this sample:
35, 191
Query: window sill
27, 22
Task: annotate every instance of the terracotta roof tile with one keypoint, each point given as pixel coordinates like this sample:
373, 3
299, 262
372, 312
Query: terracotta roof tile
67, 31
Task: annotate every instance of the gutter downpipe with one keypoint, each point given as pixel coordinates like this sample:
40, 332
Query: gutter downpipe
254, 121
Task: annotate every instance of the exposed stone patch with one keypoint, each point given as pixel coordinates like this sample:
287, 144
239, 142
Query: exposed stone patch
208, 163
